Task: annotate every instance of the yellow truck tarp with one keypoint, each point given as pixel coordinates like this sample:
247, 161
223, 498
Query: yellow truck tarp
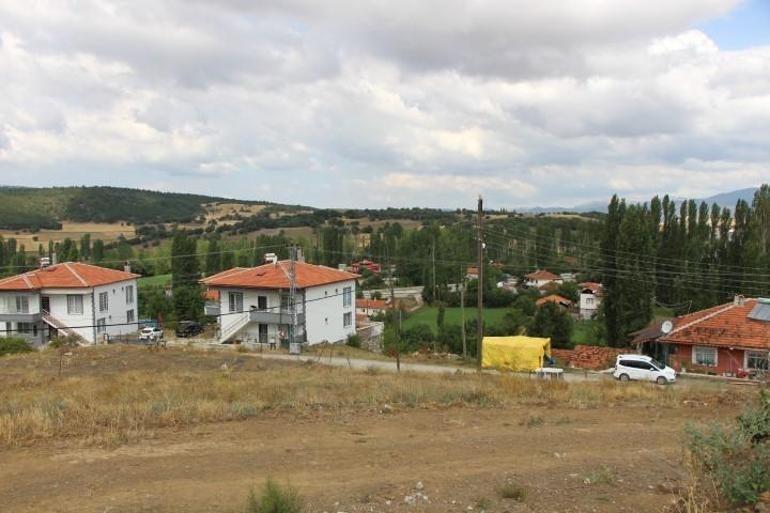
519, 354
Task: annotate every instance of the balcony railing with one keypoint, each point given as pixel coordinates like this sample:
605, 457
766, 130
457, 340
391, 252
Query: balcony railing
271, 317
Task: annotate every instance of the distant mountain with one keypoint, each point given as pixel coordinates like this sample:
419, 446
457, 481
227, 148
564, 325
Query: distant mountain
724, 199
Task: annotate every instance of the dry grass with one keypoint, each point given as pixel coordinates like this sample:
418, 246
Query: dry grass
114, 395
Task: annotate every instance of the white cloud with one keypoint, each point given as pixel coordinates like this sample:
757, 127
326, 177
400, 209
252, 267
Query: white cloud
373, 103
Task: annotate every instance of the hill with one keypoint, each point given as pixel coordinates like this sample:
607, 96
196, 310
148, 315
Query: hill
45, 208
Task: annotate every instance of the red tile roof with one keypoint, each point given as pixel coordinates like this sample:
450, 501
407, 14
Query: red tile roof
553, 298
542, 275
595, 288
376, 304
211, 295
69, 275
721, 326
276, 276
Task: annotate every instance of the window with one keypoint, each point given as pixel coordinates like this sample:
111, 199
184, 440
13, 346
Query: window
101, 325
757, 360
706, 356
347, 319
130, 317
74, 304
285, 301
589, 301
236, 301
22, 304
347, 296
26, 328
104, 302
130, 295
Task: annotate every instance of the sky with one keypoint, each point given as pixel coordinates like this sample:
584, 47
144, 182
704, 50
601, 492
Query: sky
374, 103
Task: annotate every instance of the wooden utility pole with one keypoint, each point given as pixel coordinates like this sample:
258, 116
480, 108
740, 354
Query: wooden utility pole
397, 327
462, 313
480, 295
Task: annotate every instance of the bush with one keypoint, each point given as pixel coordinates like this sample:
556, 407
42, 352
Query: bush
14, 345
274, 499
354, 340
736, 459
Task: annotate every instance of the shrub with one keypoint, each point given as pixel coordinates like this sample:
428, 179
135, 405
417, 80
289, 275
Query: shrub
14, 345
274, 499
354, 340
736, 458
513, 491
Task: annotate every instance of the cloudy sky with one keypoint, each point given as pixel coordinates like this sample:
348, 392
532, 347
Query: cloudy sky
375, 103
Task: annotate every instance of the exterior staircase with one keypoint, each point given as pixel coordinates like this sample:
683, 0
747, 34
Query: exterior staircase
241, 320
60, 326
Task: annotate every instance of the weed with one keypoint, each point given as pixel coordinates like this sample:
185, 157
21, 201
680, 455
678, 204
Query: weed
562, 421
513, 491
14, 345
274, 499
532, 421
602, 476
483, 504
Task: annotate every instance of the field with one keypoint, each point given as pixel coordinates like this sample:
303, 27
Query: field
452, 316
107, 232
153, 281
122, 429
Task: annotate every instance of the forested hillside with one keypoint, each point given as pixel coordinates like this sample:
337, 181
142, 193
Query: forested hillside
36, 208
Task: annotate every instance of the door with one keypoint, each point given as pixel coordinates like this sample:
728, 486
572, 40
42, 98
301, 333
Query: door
45, 303
263, 333
262, 302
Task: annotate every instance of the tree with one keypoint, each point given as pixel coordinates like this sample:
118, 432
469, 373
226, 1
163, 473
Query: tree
611, 304
97, 251
213, 257
185, 273
555, 323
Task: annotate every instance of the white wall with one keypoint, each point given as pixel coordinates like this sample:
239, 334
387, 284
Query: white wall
115, 316
589, 308
324, 311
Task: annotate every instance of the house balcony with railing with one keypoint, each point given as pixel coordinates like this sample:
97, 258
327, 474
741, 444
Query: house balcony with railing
282, 316
19, 308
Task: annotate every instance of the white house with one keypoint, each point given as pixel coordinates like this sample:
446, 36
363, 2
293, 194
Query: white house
255, 302
72, 298
590, 299
541, 277
370, 307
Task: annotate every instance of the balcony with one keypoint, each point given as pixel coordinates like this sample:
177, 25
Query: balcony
19, 316
269, 317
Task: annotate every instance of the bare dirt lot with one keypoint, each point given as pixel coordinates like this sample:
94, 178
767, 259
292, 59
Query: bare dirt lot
352, 442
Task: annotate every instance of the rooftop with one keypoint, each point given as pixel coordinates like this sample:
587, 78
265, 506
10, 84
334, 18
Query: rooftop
68, 275
276, 276
543, 274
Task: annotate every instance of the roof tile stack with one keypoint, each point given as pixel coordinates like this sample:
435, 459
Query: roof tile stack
588, 357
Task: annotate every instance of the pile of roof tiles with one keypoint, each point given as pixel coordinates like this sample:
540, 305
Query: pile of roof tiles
588, 357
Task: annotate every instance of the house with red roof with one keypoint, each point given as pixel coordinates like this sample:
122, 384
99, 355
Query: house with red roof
731, 339
369, 307
541, 278
555, 299
590, 299
255, 302
76, 299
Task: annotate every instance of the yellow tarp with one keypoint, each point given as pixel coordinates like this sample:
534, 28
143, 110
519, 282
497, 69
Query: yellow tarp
518, 354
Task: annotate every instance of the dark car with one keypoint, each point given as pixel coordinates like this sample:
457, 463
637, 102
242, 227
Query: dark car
188, 329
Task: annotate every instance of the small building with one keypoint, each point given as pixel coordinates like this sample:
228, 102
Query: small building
540, 278
590, 299
555, 299
370, 266
731, 339
472, 273
75, 299
369, 307
255, 302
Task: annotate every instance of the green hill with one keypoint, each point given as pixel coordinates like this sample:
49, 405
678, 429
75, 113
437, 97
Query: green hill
45, 208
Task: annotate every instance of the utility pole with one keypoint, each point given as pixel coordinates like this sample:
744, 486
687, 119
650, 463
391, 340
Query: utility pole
462, 312
393, 316
292, 296
480, 264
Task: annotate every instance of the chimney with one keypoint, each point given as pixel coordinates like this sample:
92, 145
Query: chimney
300, 256
739, 300
44, 262
127, 266
271, 258
55, 258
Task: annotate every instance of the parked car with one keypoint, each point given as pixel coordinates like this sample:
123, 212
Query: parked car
150, 334
642, 368
188, 329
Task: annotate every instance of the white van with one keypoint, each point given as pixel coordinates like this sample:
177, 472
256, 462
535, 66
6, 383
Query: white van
642, 368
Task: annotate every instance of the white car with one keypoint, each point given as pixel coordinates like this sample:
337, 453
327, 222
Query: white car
643, 368
149, 333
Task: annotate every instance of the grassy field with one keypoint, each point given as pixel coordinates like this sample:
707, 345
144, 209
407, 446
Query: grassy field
583, 333
150, 281
452, 316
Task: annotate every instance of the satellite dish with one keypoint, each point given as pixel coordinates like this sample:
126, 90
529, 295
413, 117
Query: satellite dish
666, 327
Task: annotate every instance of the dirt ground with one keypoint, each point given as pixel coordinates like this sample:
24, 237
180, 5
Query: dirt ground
425, 459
